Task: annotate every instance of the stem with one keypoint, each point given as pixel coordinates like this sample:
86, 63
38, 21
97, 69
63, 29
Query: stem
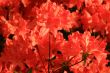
76, 63
69, 66
40, 57
49, 56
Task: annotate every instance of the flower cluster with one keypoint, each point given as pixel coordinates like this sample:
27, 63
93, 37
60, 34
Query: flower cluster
54, 36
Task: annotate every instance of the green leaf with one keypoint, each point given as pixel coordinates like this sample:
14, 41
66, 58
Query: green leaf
30, 70
84, 57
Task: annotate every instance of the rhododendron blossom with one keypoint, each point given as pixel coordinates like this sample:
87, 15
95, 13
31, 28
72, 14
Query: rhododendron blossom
54, 36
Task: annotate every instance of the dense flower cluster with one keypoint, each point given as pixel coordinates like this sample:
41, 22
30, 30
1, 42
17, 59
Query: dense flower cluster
54, 36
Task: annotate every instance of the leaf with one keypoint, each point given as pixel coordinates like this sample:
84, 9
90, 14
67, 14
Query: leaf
2, 42
84, 57
2, 39
30, 70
